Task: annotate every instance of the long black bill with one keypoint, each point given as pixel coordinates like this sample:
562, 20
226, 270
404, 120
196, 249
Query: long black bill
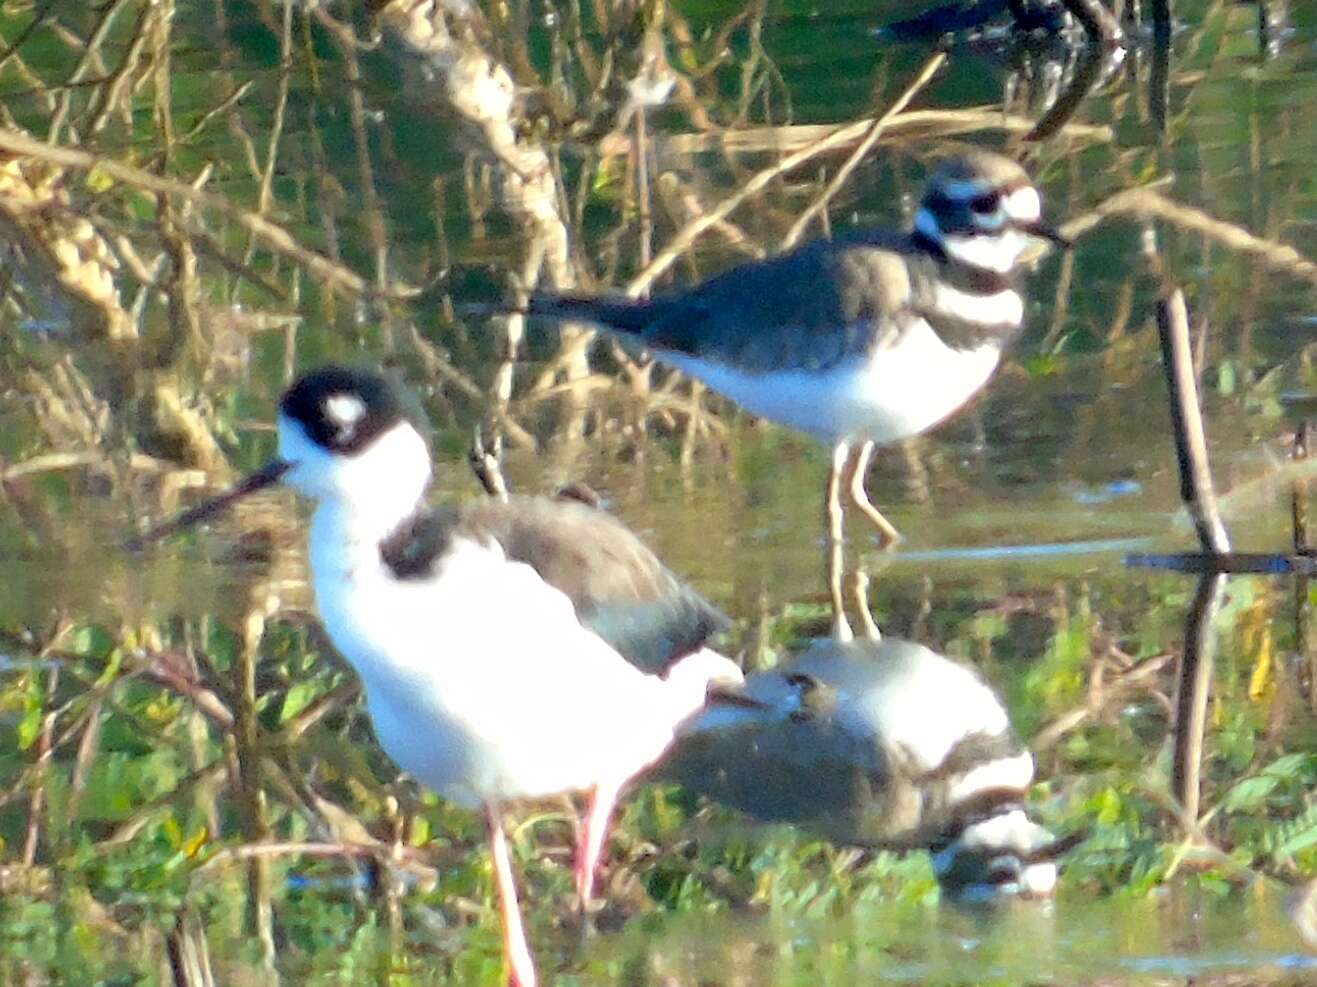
266, 476
1045, 232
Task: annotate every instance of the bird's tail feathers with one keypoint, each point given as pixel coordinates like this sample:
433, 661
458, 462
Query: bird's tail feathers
625, 315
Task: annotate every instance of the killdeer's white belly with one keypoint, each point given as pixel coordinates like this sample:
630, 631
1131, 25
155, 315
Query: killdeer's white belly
883, 397
482, 684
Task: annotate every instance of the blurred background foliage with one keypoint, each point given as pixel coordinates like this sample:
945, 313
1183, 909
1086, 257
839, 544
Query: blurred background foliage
196, 201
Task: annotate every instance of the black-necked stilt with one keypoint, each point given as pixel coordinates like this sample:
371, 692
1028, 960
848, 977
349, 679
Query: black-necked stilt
867, 339
878, 743
508, 649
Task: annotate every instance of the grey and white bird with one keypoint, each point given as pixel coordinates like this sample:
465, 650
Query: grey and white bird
877, 744
508, 649
868, 338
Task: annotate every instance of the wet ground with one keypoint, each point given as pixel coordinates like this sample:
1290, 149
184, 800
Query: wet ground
1018, 513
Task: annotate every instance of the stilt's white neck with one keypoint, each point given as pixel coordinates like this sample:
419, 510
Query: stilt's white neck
361, 498
344, 539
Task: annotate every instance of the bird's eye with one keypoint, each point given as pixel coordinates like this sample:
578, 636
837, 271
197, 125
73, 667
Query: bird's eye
805, 683
987, 203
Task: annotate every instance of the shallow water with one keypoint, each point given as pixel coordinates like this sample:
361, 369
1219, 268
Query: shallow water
1017, 513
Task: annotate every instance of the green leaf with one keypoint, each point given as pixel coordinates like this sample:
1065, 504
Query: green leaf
1291, 765
299, 697
29, 727
99, 181
172, 831
1298, 842
114, 661
1225, 380
90, 640
1250, 793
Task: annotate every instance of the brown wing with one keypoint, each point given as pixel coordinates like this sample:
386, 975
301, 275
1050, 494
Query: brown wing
618, 586
808, 308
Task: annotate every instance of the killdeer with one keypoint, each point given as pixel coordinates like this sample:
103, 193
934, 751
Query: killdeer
508, 649
877, 744
870, 338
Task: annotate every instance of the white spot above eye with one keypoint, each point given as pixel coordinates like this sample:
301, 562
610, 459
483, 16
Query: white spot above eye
378, 485
1023, 205
344, 410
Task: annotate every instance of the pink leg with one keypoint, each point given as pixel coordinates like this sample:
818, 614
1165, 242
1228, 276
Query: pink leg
590, 846
516, 953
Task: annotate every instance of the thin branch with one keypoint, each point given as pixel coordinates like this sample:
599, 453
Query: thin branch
1234, 563
844, 172
274, 236
680, 243
1146, 202
1187, 422
1192, 693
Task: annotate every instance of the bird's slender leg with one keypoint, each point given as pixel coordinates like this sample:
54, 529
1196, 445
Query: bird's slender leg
859, 467
516, 952
860, 591
590, 846
487, 463
836, 563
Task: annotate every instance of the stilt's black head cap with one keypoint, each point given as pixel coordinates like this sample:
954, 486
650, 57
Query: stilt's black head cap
345, 409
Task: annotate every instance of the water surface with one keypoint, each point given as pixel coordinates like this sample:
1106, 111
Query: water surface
127, 798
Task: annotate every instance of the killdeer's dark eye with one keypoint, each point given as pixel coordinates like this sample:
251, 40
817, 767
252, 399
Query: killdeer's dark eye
986, 203
802, 682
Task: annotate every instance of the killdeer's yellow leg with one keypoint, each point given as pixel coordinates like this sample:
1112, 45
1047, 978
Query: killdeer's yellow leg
860, 593
836, 563
888, 536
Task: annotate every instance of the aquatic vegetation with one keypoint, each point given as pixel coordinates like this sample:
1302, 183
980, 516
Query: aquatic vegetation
195, 205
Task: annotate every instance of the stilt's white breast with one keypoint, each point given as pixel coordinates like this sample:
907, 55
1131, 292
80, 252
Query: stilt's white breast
885, 396
480, 681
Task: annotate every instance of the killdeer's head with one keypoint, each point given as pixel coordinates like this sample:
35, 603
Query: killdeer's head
346, 437
981, 210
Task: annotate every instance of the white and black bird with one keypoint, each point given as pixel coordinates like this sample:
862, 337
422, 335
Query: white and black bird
878, 744
508, 649
866, 339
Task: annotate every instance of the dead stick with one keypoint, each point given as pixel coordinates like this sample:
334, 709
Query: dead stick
1192, 693
1187, 421
1299, 493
